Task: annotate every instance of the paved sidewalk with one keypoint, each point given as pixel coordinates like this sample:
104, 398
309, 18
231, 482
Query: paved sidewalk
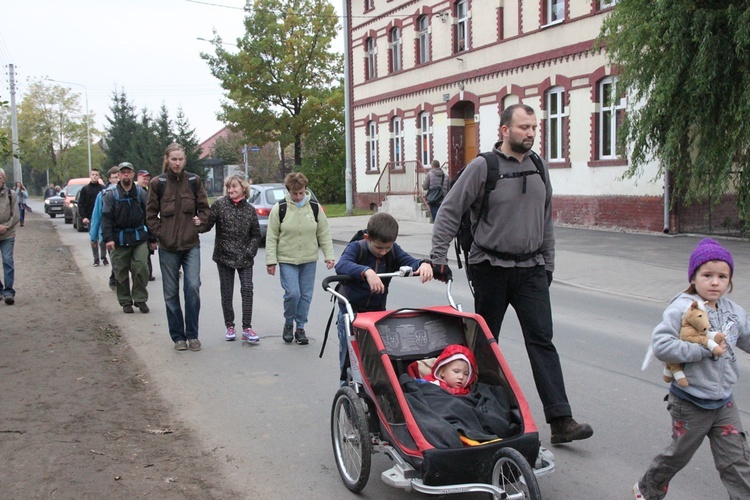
646, 266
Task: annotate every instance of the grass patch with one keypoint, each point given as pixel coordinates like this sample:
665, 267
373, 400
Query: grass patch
339, 210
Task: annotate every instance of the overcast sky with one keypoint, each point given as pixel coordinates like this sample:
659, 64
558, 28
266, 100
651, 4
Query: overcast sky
148, 48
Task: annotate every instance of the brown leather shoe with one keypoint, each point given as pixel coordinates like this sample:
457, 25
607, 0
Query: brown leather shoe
565, 430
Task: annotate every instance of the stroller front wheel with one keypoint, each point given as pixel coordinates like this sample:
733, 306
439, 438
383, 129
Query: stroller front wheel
350, 435
513, 474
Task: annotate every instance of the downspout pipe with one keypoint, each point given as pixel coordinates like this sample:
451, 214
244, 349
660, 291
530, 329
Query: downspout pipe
666, 200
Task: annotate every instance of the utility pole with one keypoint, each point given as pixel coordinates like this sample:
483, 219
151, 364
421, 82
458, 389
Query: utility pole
347, 111
17, 172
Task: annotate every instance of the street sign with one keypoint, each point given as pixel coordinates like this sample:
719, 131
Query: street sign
254, 149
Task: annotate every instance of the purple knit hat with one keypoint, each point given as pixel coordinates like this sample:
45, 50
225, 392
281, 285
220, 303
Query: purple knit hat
706, 251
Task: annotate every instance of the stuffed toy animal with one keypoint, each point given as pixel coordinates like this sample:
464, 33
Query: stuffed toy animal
697, 329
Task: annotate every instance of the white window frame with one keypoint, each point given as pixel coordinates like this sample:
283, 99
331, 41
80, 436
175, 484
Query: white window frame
605, 4
395, 43
555, 122
462, 25
370, 58
555, 11
610, 114
425, 133
397, 151
372, 127
424, 39
369, 5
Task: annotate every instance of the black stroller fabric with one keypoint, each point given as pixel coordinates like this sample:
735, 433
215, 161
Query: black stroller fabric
482, 415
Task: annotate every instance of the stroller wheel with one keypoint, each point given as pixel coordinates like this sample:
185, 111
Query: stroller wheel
513, 474
350, 435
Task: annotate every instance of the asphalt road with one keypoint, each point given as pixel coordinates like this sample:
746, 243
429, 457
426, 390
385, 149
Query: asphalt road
264, 411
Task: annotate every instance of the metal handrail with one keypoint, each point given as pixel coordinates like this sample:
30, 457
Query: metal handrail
399, 177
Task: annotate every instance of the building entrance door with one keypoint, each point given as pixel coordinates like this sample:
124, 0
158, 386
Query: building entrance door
470, 136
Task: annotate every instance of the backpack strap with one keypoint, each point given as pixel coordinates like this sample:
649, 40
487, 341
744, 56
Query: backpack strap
192, 180
283, 206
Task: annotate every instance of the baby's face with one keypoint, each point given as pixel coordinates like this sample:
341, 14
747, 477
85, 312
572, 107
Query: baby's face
456, 373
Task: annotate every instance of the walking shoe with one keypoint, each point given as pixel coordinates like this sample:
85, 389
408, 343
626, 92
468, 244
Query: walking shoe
288, 336
11, 300
565, 430
151, 278
300, 337
194, 344
230, 335
142, 307
113, 286
96, 263
127, 308
105, 262
180, 345
249, 335
637, 492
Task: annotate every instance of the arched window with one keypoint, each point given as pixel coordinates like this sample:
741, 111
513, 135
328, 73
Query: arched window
425, 143
611, 109
395, 43
423, 44
397, 149
555, 120
370, 68
462, 25
372, 145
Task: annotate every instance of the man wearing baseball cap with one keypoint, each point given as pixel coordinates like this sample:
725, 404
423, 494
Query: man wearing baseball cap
144, 177
125, 233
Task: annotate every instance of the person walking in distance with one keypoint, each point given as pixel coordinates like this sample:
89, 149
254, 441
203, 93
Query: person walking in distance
177, 206
235, 247
124, 231
512, 257
144, 177
292, 243
436, 184
95, 224
9, 218
86, 203
23, 197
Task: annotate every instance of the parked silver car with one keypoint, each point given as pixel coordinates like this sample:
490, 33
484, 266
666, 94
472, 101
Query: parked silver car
263, 197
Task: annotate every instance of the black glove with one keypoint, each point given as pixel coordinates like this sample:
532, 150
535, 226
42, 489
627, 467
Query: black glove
442, 272
549, 278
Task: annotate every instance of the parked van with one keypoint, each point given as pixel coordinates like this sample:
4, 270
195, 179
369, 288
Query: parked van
70, 191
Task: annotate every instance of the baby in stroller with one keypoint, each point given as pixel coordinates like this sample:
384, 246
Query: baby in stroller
450, 407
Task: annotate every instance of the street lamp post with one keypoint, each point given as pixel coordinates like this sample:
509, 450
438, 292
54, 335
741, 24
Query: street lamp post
88, 129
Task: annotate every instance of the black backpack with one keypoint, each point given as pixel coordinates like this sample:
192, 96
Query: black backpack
465, 235
313, 204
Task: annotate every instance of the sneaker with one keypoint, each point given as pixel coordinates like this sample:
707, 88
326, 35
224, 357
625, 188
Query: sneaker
565, 430
96, 263
11, 300
287, 335
151, 278
194, 344
127, 309
300, 337
637, 492
105, 262
142, 307
180, 345
249, 335
230, 335
113, 286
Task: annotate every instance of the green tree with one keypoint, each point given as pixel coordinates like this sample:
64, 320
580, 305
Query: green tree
325, 150
284, 61
229, 148
122, 129
185, 135
685, 69
52, 133
6, 150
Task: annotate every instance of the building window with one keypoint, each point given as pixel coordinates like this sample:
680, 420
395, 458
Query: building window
369, 5
372, 145
610, 117
370, 59
555, 11
604, 4
395, 42
555, 117
397, 151
425, 150
462, 25
423, 44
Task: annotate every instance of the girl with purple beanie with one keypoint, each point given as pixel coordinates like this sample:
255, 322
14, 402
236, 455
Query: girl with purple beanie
705, 408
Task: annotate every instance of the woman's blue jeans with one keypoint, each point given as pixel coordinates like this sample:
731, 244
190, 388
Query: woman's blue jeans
298, 281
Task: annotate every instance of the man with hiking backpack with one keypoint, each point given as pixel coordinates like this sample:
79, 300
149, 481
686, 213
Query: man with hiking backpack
177, 207
512, 254
125, 234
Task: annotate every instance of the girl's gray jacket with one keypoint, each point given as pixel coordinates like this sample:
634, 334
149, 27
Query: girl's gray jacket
709, 377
